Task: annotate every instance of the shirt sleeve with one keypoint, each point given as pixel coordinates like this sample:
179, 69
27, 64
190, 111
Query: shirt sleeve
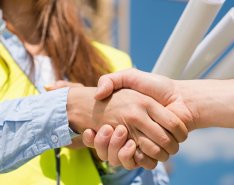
32, 125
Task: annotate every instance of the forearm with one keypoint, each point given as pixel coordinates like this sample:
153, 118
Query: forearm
211, 102
31, 125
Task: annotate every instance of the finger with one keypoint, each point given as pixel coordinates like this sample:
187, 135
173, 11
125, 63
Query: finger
61, 84
77, 143
168, 120
101, 141
118, 139
88, 137
130, 78
152, 150
110, 82
144, 161
126, 155
158, 135
105, 88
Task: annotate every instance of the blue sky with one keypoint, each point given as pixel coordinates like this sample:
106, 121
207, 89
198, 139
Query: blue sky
206, 158
151, 25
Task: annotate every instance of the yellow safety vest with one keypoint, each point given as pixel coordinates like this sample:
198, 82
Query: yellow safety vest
77, 167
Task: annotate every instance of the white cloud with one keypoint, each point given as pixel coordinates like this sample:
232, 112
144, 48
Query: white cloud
209, 144
227, 180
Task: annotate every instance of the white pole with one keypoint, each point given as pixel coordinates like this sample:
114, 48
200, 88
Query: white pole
212, 47
225, 68
189, 31
124, 25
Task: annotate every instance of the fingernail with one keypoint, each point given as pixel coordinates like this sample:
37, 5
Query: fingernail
129, 144
105, 132
100, 90
119, 132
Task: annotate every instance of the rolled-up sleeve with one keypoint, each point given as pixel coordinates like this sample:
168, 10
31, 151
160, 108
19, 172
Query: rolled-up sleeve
32, 125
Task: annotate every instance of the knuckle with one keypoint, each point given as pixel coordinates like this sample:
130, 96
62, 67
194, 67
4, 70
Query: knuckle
132, 119
143, 101
174, 124
140, 158
141, 142
165, 141
176, 149
133, 115
165, 158
124, 156
156, 151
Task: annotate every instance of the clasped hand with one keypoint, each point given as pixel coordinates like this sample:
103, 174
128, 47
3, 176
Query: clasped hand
130, 128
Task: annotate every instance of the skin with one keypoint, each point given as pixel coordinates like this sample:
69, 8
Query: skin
194, 101
199, 103
124, 153
137, 120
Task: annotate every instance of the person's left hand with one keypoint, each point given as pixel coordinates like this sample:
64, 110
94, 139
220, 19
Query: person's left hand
113, 144
155, 151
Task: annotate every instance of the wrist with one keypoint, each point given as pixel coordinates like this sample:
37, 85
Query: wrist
211, 102
80, 104
187, 94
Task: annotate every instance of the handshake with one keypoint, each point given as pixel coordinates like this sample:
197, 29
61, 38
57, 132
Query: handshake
136, 119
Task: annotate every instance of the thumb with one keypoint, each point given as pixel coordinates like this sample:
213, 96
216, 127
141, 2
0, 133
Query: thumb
105, 88
88, 138
156, 86
107, 84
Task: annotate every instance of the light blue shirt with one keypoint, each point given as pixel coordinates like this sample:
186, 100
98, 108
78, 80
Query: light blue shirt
140, 176
32, 125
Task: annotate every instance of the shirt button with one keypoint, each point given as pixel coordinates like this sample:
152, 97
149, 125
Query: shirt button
54, 138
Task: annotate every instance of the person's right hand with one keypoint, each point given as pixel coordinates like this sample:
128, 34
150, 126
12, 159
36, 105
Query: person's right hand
198, 103
166, 91
158, 87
